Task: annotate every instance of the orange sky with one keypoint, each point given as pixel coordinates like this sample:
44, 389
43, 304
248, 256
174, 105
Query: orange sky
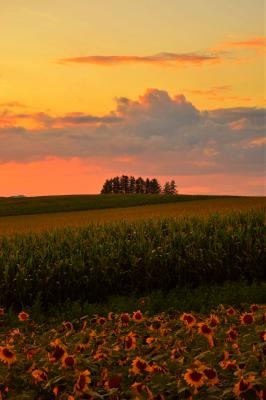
91, 89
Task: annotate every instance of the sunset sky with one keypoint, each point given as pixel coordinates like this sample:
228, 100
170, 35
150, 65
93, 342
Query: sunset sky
90, 89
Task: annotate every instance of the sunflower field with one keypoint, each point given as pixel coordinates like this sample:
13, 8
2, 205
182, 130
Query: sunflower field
136, 356
97, 261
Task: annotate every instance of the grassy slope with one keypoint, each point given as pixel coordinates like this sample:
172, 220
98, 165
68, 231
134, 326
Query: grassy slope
51, 204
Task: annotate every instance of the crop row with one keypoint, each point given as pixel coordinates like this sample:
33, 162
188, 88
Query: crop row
92, 263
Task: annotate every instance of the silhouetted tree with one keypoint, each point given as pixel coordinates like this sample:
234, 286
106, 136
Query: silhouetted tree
116, 185
124, 184
140, 185
173, 187
107, 187
132, 185
167, 188
155, 186
147, 186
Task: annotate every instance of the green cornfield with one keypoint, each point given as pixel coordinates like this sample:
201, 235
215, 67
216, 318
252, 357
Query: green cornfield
97, 261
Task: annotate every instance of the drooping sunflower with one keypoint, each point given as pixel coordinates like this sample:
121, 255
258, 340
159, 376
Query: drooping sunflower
230, 311
58, 351
194, 378
68, 326
23, 316
125, 318
206, 331
213, 321
39, 375
228, 364
254, 307
138, 366
263, 336
101, 320
81, 386
137, 387
7, 355
137, 316
130, 341
211, 375
232, 334
246, 318
111, 316
188, 319
243, 385
114, 382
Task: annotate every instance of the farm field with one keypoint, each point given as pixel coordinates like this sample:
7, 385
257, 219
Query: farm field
191, 206
93, 262
154, 302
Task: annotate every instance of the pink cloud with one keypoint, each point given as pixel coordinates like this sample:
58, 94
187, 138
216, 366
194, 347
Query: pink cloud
160, 59
258, 44
250, 43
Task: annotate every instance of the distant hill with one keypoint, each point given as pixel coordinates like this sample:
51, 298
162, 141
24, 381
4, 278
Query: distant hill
18, 196
20, 205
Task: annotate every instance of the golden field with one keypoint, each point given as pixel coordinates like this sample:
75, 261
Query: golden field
42, 222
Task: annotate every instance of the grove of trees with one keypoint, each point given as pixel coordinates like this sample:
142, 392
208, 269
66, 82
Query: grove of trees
130, 185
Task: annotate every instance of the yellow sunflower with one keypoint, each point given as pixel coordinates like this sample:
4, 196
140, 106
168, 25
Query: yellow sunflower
58, 351
137, 316
213, 321
206, 331
81, 386
211, 376
125, 318
23, 316
7, 355
232, 334
246, 318
188, 319
194, 378
68, 326
130, 341
114, 382
139, 366
243, 385
263, 336
39, 375
68, 361
230, 311
254, 307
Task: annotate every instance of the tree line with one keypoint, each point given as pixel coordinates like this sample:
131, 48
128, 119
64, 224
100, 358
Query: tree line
130, 185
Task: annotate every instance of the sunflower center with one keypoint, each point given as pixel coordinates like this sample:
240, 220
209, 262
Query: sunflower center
205, 329
58, 353
248, 319
141, 365
7, 353
195, 376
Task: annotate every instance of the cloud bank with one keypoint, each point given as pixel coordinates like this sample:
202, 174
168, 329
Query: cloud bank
157, 133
